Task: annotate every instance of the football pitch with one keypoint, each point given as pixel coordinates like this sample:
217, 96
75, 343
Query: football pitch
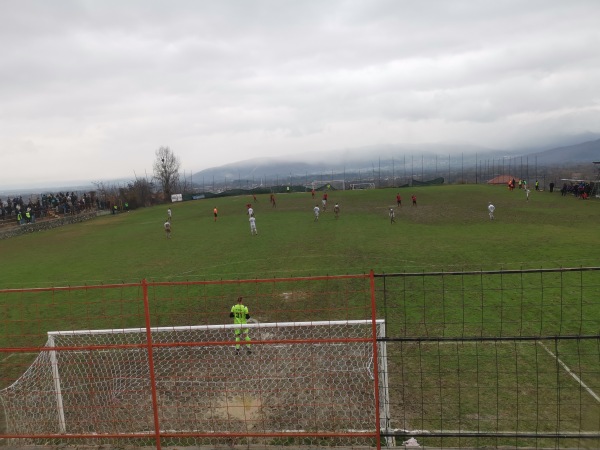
475, 384
449, 229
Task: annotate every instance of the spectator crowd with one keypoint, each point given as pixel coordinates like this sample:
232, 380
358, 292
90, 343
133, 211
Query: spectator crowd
40, 206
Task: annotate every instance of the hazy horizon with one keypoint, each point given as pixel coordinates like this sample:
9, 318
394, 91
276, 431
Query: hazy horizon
349, 160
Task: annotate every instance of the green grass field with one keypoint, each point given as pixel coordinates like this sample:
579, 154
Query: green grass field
448, 230
476, 385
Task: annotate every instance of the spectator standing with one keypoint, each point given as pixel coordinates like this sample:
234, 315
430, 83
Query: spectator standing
563, 191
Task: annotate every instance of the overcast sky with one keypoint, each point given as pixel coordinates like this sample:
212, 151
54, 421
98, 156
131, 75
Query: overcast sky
89, 90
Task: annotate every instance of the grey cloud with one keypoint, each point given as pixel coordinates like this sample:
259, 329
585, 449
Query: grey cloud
117, 80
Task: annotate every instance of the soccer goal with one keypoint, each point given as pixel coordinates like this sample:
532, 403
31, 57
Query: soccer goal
354, 186
314, 379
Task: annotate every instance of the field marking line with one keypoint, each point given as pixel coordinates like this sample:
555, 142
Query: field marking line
13, 354
570, 372
6, 359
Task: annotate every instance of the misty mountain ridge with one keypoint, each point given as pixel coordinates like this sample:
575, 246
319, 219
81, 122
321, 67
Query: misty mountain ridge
366, 159
387, 156
586, 152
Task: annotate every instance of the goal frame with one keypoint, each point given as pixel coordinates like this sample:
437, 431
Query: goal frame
379, 373
361, 186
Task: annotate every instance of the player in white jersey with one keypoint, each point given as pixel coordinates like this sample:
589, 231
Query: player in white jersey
491, 209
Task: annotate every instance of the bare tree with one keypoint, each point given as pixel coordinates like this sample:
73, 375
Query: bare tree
140, 191
107, 194
166, 170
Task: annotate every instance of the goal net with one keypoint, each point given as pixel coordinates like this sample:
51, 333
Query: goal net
314, 379
354, 186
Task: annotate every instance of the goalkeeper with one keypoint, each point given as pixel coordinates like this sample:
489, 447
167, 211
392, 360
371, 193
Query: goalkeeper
240, 315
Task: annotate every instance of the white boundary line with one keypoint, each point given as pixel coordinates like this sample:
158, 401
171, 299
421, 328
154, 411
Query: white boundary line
575, 377
6, 359
21, 353
564, 366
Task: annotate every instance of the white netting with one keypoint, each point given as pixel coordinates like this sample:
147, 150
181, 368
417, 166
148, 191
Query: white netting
304, 384
358, 186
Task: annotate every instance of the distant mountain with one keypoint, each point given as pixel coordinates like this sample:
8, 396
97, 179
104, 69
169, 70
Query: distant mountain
586, 152
316, 164
362, 161
367, 159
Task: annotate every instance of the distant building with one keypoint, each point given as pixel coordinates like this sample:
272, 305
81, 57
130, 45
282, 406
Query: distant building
502, 179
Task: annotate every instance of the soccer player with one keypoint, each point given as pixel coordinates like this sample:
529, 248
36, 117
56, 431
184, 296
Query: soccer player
240, 315
398, 199
392, 215
414, 200
169, 215
168, 229
253, 230
316, 210
250, 210
215, 213
336, 210
491, 209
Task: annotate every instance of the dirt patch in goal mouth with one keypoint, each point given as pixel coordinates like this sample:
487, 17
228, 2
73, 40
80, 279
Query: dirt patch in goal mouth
244, 407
